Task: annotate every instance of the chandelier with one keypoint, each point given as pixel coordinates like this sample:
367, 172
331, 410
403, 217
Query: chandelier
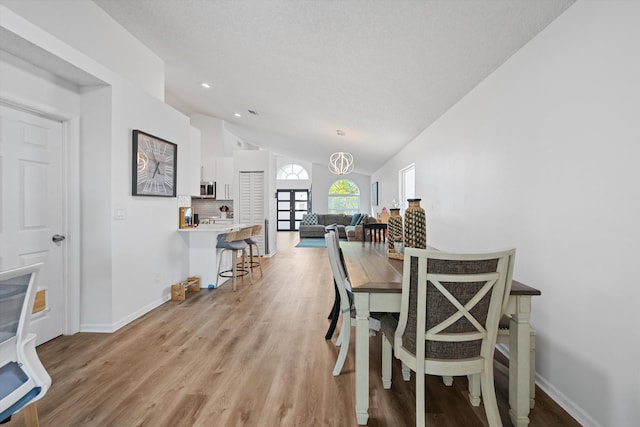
341, 163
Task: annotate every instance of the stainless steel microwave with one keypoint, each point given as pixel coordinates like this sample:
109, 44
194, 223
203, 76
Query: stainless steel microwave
208, 188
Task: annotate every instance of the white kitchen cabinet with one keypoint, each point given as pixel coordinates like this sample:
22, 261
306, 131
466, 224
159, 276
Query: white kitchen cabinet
220, 171
224, 178
208, 170
195, 162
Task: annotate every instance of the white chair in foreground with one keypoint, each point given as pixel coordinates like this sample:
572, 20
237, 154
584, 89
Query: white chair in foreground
346, 300
344, 290
449, 314
23, 379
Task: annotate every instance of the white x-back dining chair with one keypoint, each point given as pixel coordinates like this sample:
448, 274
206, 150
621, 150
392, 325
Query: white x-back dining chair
450, 308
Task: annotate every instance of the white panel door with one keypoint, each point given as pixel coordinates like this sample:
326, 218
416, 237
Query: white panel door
251, 202
31, 184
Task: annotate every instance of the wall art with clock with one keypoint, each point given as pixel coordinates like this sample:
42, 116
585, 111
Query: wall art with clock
155, 162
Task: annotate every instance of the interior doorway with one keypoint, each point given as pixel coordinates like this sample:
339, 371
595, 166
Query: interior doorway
292, 205
32, 212
407, 185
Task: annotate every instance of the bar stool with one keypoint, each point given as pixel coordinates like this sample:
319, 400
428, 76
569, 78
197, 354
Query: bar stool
234, 241
255, 231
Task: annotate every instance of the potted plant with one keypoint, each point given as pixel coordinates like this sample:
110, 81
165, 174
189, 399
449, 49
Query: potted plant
223, 211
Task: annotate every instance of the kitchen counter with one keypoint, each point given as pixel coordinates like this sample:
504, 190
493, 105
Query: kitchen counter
203, 255
218, 227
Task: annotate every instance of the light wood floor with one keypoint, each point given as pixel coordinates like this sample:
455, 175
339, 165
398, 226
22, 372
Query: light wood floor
255, 357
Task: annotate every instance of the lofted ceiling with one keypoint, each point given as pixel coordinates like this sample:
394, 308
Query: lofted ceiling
380, 70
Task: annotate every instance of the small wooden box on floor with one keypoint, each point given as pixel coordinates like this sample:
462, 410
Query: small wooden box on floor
179, 290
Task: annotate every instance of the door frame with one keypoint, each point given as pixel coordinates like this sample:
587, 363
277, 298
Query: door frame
71, 219
402, 184
292, 219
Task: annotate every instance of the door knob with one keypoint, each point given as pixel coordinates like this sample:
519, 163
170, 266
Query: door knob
57, 238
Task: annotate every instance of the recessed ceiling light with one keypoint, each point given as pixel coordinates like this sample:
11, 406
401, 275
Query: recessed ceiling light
340, 132
237, 114
205, 85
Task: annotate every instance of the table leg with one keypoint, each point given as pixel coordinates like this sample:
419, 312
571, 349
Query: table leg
362, 357
519, 360
31, 415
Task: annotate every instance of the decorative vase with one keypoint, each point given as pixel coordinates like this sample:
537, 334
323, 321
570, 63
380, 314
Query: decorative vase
394, 228
415, 225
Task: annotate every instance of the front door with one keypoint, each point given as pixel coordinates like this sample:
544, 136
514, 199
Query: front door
292, 205
31, 214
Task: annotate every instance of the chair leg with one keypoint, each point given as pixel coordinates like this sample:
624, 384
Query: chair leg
344, 338
386, 362
31, 415
258, 256
420, 399
340, 336
234, 255
333, 315
406, 372
219, 266
489, 396
244, 263
447, 380
474, 389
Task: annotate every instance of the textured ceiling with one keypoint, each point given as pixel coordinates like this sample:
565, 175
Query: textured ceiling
382, 71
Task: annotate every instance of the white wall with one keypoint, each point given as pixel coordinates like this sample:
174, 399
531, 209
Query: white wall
211, 133
148, 252
126, 265
543, 155
86, 27
22, 82
96, 296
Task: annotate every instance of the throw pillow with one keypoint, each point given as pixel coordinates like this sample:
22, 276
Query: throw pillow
363, 219
309, 219
355, 219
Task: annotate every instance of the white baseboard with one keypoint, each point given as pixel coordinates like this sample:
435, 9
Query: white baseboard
565, 403
579, 414
108, 328
101, 328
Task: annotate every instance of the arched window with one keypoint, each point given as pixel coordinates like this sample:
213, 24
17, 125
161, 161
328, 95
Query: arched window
292, 171
344, 197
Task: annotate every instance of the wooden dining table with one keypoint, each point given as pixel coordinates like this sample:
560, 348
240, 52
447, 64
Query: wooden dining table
376, 280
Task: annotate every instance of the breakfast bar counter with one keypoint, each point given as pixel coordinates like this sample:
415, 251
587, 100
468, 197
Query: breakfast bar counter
203, 255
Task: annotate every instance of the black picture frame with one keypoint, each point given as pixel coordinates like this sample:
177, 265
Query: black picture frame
374, 194
154, 166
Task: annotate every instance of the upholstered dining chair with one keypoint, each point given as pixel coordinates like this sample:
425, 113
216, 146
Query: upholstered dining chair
450, 308
23, 379
234, 241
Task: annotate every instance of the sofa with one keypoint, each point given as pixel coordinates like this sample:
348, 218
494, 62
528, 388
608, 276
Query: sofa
313, 225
